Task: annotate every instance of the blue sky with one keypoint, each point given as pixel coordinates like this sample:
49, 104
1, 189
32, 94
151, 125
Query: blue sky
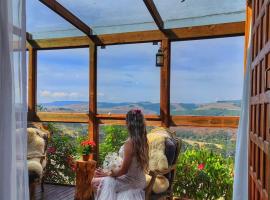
202, 71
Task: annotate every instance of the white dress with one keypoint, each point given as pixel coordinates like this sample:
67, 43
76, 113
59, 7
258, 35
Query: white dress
127, 187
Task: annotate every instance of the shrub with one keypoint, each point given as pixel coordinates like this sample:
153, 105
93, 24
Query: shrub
62, 151
202, 174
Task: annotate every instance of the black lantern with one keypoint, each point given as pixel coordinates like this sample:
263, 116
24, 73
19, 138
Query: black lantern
159, 58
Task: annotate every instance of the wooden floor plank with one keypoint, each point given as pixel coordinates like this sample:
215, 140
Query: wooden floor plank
55, 192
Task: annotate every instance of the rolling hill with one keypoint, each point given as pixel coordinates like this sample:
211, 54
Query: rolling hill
219, 108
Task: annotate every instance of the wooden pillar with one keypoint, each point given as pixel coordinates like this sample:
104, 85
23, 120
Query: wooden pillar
247, 32
93, 123
32, 83
165, 84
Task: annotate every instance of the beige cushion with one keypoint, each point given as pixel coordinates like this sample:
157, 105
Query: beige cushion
157, 158
161, 183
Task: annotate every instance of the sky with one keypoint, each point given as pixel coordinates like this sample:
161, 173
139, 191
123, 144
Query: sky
201, 71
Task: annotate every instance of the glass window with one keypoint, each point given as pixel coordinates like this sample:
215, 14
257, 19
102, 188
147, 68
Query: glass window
42, 22
63, 80
207, 77
189, 13
108, 16
128, 78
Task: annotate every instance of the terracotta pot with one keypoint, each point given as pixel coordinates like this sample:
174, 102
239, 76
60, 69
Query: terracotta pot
86, 157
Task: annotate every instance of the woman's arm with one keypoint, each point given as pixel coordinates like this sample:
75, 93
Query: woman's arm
99, 173
128, 154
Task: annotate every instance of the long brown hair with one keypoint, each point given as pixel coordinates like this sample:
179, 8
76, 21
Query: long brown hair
137, 132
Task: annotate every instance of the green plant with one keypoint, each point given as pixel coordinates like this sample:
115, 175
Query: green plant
202, 174
112, 138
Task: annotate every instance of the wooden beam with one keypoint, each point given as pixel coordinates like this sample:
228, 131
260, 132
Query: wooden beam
120, 119
151, 120
205, 121
123, 117
32, 83
165, 84
154, 12
61, 117
93, 124
178, 34
67, 15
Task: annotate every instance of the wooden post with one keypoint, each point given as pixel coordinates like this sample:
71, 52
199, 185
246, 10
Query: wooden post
32, 83
93, 124
165, 84
84, 174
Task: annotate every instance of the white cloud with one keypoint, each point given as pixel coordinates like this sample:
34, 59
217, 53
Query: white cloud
59, 95
100, 94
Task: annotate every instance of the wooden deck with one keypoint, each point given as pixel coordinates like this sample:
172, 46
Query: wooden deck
55, 192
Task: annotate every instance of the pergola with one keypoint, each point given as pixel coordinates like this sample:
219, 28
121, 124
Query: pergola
174, 20
231, 24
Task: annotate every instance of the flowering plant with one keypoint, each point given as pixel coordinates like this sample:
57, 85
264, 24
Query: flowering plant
203, 174
112, 162
87, 147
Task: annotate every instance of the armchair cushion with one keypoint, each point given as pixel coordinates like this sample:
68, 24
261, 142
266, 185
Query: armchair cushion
161, 183
37, 139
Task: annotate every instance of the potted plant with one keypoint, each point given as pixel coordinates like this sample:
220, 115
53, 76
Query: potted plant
87, 149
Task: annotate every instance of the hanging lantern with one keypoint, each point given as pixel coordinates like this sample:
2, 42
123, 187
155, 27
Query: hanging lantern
159, 58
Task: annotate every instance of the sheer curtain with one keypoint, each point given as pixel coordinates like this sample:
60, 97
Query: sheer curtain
240, 185
13, 107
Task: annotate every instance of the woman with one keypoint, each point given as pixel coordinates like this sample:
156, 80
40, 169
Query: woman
128, 182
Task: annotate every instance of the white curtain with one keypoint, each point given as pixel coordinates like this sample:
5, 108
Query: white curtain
13, 107
240, 185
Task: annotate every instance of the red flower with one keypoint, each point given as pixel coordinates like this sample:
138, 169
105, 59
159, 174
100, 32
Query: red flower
201, 166
73, 168
51, 150
88, 143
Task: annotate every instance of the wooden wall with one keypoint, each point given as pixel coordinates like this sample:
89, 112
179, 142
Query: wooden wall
259, 134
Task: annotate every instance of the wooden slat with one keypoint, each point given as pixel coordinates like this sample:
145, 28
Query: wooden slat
261, 55
123, 117
196, 32
260, 142
165, 84
154, 12
55, 192
67, 15
205, 121
120, 119
93, 125
32, 83
61, 117
260, 98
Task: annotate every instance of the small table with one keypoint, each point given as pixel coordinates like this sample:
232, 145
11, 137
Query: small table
84, 174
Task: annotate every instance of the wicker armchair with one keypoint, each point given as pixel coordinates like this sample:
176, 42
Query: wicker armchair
171, 171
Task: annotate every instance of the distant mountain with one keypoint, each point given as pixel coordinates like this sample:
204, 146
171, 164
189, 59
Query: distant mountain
219, 108
62, 103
